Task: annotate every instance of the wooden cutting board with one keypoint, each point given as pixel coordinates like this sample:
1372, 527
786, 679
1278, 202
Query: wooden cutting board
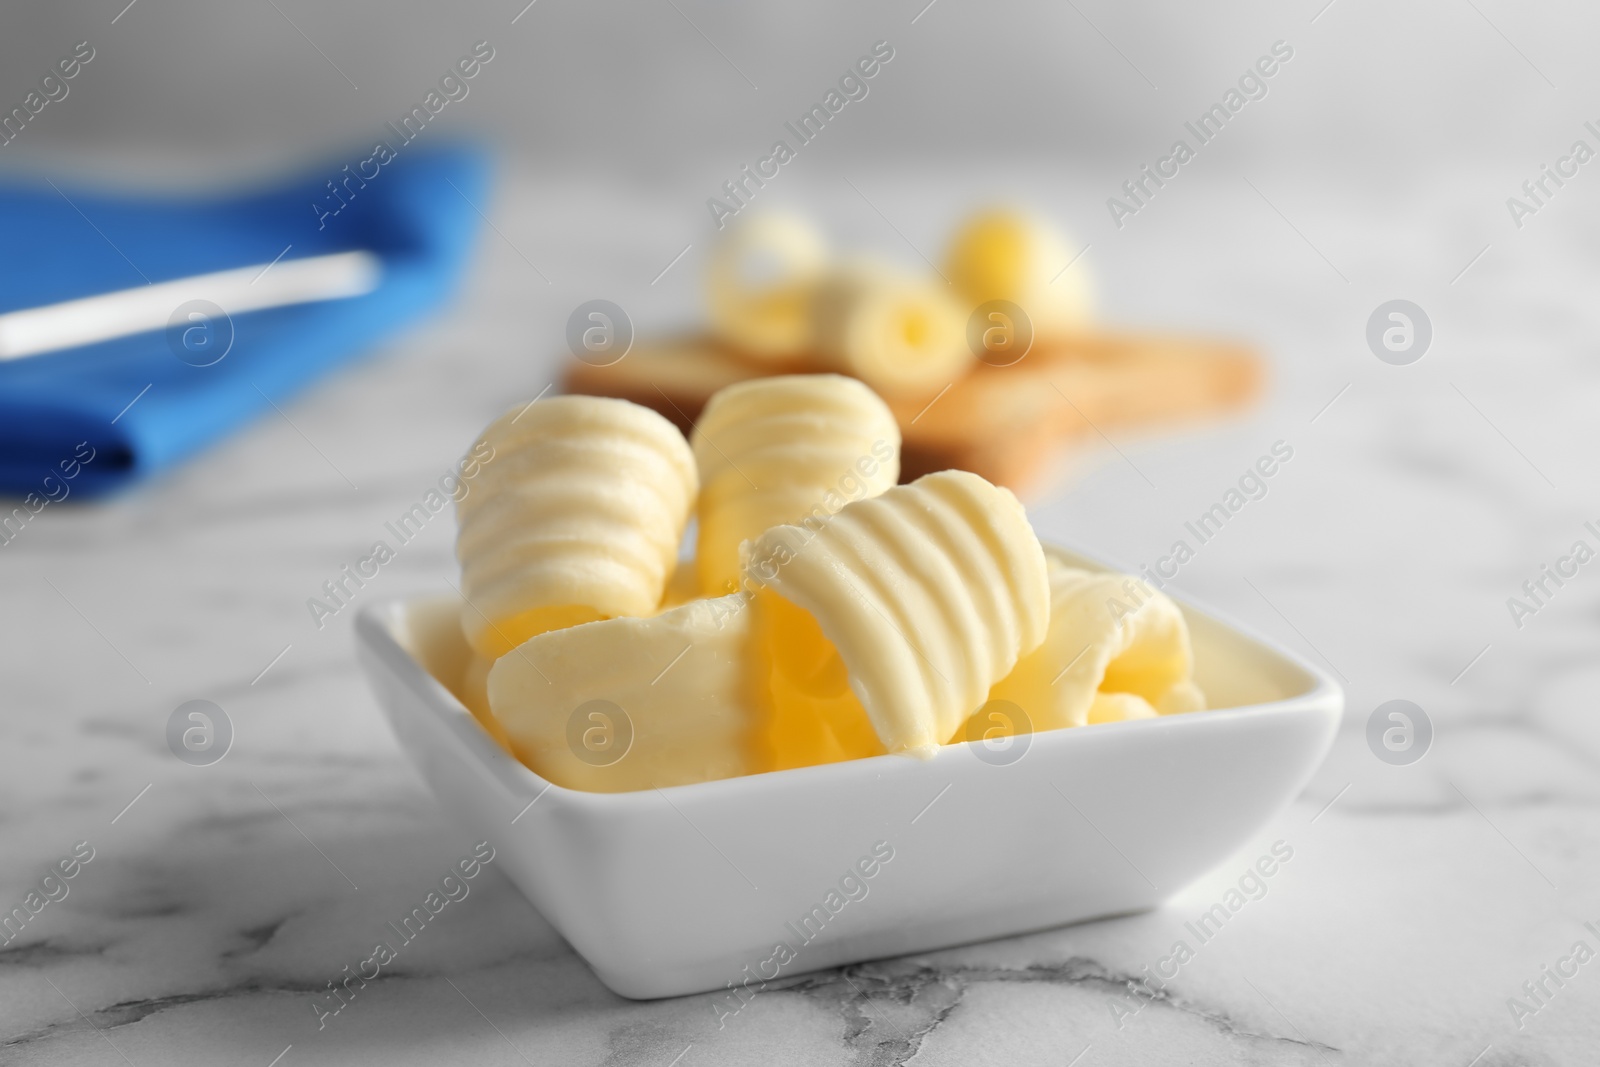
1002, 422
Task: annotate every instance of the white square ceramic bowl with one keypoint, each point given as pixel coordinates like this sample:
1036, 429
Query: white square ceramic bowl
680, 890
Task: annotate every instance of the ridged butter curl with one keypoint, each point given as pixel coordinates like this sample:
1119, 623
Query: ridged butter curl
578, 518
896, 331
929, 593
1007, 255
1116, 649
670, 697
776, 450
760, 284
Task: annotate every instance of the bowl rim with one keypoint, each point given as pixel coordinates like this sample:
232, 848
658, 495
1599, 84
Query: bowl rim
375, 625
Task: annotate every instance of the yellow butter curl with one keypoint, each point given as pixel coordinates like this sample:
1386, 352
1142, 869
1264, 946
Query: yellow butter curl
578, 517
896, 331
1115, 648
1008, 255
781, 449
627, 703
760, 285
928, 595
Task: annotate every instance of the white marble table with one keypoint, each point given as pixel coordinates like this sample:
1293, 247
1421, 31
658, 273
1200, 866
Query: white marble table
1420, 898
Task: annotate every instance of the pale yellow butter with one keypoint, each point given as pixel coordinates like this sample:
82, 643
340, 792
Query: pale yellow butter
896, 331
1115, 648
577, 518
473, 692
777, 450
762, 277
1007, 255
928, 595
636, 703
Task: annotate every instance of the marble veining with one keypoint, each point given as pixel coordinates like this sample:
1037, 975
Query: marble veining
222, 900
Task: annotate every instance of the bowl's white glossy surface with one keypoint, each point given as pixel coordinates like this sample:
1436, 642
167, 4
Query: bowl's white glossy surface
679, 890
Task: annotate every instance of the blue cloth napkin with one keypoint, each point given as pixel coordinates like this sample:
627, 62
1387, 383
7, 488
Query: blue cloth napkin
56, 244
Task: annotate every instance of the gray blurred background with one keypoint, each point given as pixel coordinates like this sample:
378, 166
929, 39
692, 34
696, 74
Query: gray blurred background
1409, 121
651, 88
